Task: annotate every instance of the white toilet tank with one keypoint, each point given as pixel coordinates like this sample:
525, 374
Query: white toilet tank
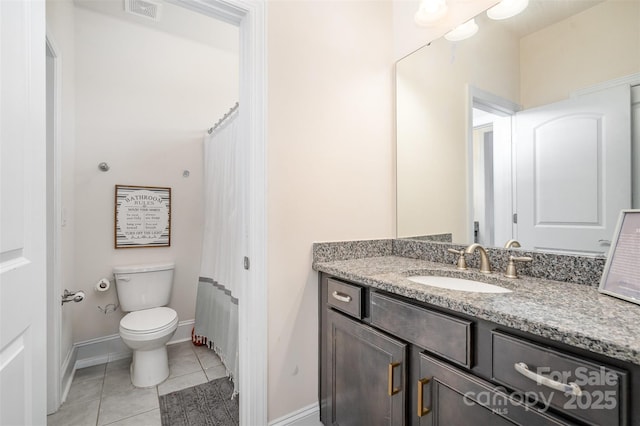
144, 286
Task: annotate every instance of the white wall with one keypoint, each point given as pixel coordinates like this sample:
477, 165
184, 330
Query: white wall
604, 42
330, 165
144, 100
432, 104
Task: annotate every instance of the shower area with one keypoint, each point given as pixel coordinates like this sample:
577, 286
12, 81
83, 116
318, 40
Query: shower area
224, 244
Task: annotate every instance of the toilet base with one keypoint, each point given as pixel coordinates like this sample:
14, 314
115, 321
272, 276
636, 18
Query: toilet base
149, 368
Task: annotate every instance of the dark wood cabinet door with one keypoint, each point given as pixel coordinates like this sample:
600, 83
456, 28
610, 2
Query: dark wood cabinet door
447, 396
366, 374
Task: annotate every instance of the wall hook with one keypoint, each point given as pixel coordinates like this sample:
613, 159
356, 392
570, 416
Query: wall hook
104, 167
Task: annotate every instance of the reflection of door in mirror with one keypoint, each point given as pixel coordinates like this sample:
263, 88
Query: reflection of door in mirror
572, 172
528, 62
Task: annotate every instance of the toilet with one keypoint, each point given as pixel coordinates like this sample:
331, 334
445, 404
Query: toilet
143, 292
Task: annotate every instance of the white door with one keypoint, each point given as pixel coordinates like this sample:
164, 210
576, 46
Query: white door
22, 209
573, 171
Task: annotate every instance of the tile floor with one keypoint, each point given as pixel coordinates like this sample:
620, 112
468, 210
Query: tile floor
103, 394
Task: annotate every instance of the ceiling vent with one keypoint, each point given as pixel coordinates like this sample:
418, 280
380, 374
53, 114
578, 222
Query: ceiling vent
144, 8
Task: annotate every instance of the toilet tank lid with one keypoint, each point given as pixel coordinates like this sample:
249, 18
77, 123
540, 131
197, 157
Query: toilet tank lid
149, 267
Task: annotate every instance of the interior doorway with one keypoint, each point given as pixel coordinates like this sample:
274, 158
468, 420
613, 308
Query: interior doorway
559, 176
483, 172
249, 17
489, 168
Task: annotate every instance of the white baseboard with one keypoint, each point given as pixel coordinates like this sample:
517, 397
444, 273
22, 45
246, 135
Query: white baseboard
112, 348
67, 370
306, 416
183, 333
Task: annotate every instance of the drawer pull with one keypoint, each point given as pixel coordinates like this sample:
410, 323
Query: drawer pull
392, 390
421, 410
571, 388
341, 297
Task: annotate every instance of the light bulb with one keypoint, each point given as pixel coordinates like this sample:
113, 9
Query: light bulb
430, 11
507, 8
462, 31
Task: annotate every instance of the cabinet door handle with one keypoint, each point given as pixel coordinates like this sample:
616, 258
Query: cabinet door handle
571, 388
421, 410
392, 390
341, 297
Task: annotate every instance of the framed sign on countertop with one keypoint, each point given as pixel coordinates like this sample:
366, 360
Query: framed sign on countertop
142, 216
621, 276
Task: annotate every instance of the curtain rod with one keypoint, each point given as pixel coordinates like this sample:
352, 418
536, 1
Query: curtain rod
224, 117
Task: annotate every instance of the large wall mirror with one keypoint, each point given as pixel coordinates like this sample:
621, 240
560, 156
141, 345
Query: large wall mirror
528, 130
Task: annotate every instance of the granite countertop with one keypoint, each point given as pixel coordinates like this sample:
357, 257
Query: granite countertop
574, 314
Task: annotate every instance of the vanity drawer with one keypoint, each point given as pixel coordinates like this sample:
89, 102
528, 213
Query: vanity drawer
445, 335
345, 297
599, 392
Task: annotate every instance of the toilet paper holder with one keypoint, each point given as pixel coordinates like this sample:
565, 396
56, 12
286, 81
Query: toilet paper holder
103, 285
72, 296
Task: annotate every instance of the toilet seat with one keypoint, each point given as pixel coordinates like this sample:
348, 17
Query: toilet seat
149, 320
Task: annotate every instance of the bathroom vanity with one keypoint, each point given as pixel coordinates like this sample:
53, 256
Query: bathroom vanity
396, 352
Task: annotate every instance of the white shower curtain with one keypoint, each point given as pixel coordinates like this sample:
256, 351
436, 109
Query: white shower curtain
221, 268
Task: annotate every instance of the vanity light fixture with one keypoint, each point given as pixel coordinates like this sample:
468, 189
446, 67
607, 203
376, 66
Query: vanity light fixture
507, 8
462, 31
430, 11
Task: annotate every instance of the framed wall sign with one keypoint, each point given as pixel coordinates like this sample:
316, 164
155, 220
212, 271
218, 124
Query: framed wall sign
621, 277
142, 217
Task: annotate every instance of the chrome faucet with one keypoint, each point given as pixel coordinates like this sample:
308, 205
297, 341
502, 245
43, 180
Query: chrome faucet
511, 243
485, 266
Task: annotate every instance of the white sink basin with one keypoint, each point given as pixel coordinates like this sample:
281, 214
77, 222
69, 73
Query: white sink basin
459, 284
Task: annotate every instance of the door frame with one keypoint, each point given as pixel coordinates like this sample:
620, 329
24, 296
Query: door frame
54, 232
489, 102
249, 17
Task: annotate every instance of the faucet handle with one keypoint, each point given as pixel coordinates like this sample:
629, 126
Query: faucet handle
512, 243
461, 262
511, 271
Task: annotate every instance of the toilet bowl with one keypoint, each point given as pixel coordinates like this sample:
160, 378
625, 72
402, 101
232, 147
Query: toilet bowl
147, 332
143, 292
